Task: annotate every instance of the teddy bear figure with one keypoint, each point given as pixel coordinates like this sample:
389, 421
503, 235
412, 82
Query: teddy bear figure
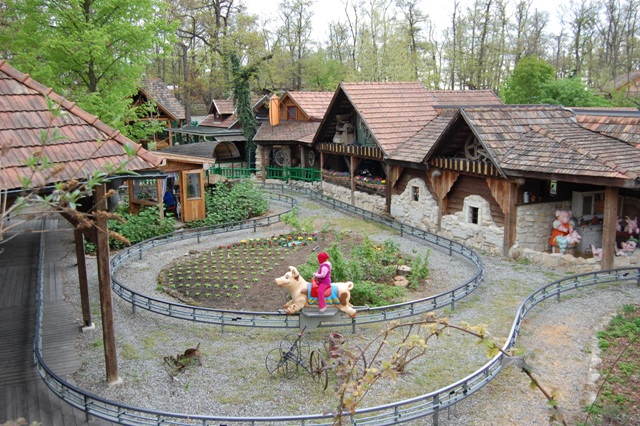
563, 233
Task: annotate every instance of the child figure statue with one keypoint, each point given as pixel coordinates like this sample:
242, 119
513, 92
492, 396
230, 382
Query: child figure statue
323, 277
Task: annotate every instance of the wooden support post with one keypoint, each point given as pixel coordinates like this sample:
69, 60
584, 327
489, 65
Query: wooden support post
609, 226
104, 283
510, 216
263, 161
352, 171
160, 198
82, 278
388, 188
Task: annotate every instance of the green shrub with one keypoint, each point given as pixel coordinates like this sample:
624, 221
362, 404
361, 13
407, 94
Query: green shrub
224, 203
371, 267
372, 294
136, 227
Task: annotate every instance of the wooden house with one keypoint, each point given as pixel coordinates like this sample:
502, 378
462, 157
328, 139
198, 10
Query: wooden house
222, 127
169, 110
464, 165
372, 138
285, 141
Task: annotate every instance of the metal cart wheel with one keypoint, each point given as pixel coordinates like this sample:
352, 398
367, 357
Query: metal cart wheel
318, 369
279, 362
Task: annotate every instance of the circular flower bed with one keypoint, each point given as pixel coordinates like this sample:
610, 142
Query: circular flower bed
239, 276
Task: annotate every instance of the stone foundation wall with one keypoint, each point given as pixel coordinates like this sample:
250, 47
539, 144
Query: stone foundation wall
571, 263
485, 235
259, 149
422, 214
372, 203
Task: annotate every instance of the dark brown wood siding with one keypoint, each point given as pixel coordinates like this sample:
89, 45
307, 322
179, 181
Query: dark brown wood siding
469, 185
406, 176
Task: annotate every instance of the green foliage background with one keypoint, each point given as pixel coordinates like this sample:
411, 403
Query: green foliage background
231, 203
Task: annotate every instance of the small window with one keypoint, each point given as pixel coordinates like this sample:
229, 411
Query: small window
415, 191
291, 113
474, 213
193, 185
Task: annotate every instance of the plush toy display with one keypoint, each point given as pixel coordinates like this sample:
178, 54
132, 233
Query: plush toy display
564, 234
632, 226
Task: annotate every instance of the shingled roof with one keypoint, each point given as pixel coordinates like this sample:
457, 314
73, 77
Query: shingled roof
404, 117
313, 104
288, 130
464, 97
547, 139
87, 145
393, 112
621, 123
154, 89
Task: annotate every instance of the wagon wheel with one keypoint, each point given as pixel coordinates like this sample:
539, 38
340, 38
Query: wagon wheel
300, 348
311, 158
279, 362
318, 369
473, 149
282, 157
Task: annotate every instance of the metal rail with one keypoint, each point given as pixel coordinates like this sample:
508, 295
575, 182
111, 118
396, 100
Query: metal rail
366, 315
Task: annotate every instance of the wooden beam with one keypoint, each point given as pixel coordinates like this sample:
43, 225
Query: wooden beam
104, 283
160, 198
510, 210
388, 188
442, 184
353, 165
609, 223
82, 278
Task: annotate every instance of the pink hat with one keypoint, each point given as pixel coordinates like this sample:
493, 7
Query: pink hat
322, 257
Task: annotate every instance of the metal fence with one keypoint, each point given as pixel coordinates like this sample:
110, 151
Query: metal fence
432, 404
366, 315
279, 173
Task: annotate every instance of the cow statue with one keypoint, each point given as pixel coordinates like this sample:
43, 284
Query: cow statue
301, 292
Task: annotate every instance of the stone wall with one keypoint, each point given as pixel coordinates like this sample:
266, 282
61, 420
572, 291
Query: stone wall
422, 214
259, 149
484, 235
535, 222
372, 203
573, 264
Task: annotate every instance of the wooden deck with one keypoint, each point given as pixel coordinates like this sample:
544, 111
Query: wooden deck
22, 392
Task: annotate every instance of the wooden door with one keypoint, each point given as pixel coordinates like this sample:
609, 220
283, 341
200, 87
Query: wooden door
192, 195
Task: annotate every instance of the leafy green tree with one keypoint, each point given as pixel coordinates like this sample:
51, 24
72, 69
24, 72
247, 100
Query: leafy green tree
525, 85
94, 52
571, 92
322, 73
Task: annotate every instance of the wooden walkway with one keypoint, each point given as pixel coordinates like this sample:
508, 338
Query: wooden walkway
22, 392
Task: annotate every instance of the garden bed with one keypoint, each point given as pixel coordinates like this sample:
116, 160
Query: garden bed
241, 275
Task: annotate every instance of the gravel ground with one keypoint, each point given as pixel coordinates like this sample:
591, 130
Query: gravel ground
234, 382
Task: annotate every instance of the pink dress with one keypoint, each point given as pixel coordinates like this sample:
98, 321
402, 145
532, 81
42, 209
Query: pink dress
324, 282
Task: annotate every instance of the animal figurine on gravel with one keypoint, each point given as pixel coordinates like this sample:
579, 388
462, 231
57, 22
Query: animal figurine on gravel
302, 293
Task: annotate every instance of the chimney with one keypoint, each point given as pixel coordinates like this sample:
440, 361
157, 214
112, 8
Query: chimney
274, 110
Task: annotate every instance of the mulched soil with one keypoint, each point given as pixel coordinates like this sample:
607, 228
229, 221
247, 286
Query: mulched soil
241, 276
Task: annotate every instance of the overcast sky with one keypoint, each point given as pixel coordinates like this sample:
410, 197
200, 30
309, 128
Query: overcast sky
326, 11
